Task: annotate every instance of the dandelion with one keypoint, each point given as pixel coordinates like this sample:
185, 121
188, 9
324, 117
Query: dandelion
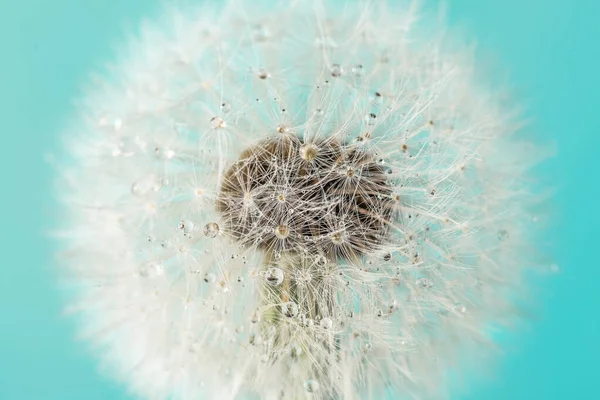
294, 201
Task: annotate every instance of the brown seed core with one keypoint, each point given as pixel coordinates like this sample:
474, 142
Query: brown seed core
337, 200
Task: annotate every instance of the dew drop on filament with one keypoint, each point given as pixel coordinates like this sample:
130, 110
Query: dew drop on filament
358, 71
289, 309
274, 276
211, 230
311, 385
225, 108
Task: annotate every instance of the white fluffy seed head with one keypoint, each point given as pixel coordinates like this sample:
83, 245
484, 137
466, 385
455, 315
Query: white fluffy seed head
291, 201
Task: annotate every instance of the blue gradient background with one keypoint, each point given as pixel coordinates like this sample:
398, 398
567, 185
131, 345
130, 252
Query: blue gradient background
46, 49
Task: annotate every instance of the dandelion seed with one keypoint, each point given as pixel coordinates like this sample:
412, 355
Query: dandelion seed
282, 231
362, 195
217, 122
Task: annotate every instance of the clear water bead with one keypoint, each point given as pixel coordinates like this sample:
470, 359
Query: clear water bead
308, 152
152, 269
289, 309
225, 108
186, 226
371, 119
358, 71
502, 234
377, 99
211, 230
336, 70
144, 187
424, 283
312, 385
263, 73
326, 323
260, 33
274, 276
296, 350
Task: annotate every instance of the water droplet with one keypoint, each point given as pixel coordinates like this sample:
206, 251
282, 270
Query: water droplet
312, 386
377, 99
260, 33
289, 309
296, 350
326, 323
144, 186
358, 71
387, 257
308, 152
209, 277
225, 108
461, 308
186, 226
371, 119
211, 230
321, 260
263, 73
274, 276
164, 153
336, 70
502, 234
255, 317
151, 269
424, 283
319, 112
306, 322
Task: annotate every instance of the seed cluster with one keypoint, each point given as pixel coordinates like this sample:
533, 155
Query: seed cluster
323, 198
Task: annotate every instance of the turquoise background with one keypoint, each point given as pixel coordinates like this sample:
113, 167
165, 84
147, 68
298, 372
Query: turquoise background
46, 49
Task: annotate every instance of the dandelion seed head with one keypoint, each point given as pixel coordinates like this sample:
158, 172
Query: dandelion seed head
294, 199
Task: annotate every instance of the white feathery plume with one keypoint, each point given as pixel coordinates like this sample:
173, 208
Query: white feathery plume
294, 200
